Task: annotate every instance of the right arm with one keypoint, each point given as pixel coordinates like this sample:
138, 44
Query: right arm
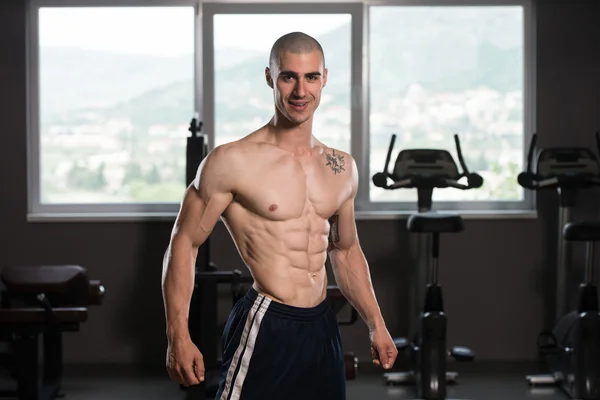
203, 203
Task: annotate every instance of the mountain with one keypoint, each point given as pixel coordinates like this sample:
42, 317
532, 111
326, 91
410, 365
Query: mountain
453, 53
72, 77
447, 54
86, 79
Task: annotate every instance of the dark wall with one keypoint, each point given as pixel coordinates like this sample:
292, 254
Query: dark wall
493, 272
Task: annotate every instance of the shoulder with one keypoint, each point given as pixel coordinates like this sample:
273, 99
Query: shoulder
220, 168
224, 154
231, 153
343, 166
340, 162
234, 158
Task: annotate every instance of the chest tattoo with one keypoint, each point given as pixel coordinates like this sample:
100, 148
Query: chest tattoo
335, 162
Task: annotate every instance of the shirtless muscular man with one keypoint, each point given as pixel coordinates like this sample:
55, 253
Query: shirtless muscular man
287, 200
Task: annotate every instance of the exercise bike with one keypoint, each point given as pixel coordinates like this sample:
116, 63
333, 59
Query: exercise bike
572, 348
426, 170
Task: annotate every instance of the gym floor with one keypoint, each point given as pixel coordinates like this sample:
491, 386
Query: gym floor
486, 382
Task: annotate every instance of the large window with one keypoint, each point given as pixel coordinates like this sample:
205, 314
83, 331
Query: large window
115, 97
114, 85
437, 71
244, 102
238, 99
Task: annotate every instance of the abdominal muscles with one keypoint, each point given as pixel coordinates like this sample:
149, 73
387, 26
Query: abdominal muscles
286, 257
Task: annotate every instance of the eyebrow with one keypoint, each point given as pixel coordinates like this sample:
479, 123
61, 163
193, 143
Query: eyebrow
295, 74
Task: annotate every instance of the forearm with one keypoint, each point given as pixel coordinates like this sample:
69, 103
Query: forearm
177, 287
354, 280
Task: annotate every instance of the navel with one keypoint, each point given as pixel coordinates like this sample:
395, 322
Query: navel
273, 207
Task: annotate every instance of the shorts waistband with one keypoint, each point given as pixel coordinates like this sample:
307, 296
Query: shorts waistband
281, 310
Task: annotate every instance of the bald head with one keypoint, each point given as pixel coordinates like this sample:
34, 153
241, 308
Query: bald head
296, 43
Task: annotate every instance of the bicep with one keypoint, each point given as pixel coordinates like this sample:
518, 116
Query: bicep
342, 234
199, 214
204, 202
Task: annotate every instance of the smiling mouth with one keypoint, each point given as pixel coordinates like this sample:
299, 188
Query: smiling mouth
298, 106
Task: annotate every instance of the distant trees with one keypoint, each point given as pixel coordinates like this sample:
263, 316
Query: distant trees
81, 176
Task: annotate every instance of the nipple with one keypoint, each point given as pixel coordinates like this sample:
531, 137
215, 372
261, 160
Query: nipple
273, 207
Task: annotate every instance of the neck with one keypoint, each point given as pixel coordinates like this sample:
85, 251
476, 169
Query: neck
296, 138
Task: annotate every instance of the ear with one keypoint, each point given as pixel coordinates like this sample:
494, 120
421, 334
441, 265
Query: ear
268, 77
324, 77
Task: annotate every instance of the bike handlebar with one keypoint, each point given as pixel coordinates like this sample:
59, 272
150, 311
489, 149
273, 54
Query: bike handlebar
474, 180
530, 180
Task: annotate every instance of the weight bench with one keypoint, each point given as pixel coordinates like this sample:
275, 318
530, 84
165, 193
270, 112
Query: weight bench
42, 301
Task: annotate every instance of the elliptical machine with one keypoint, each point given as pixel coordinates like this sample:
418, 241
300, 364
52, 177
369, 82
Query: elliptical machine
572, 348
425, 170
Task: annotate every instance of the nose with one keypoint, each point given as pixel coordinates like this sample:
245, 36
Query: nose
300, 89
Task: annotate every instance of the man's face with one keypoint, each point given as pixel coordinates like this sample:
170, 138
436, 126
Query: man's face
297, 83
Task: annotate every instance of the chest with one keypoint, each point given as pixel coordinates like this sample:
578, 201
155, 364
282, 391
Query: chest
286, 188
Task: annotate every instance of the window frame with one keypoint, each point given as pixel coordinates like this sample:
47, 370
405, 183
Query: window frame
37, 211
355, 9
525, 207
205, 94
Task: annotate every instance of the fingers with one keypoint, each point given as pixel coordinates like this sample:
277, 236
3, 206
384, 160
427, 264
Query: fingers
385, 362
199, 368
391, 355
385, 358
189, 376
174, 370
185, 364
174, 375
376, 356
193, 372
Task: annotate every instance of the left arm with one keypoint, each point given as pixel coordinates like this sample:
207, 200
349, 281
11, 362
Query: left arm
354, 279
349, 264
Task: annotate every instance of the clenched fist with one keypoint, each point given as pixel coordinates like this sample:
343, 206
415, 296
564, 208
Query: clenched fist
185, 363
383, 349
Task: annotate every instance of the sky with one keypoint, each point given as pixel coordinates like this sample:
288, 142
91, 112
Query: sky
169, 31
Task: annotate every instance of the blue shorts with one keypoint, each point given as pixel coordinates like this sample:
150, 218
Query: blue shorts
275, 351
